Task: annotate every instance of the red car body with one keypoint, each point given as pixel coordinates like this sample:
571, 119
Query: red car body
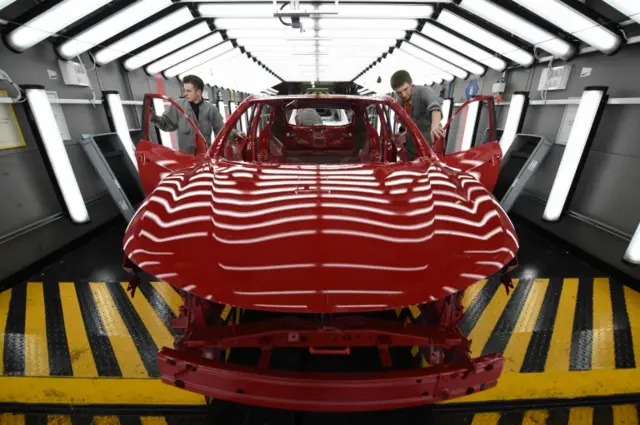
317, 219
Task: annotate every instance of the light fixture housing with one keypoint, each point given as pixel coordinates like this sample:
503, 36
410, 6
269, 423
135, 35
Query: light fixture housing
143, 36
470, 125
184, 53
167, 46
49, 22
54, 152
485, 38
515, 119
118, 123
111, 26
456, 43
573, 22
5, 3
580, 138
632, 254
520, 27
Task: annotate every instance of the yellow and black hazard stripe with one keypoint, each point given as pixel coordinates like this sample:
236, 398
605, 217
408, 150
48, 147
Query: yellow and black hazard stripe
622, 414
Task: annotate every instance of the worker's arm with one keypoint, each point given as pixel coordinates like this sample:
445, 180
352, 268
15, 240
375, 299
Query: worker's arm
432, 103
167, 121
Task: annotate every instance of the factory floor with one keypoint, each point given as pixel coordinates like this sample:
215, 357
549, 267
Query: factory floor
76, 348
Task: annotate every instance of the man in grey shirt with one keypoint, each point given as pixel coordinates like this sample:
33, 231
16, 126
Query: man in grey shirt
422, 105
204, 114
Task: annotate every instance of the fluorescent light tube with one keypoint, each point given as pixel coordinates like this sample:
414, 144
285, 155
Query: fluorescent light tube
143, 36
448, 55
197, 60
632, 254
107, 28
570, 20
582, 132
517, 109
447, 110
396, 34
257, 24
426, 66
486, 38
119, 121
434, 60
56, 153
50, 22
522, 28
167, 46
184, 53
462, 46
470, 125
165, 137
631, 8
222, 110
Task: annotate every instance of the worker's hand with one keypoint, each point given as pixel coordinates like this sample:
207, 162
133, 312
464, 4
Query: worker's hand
241, 134
436, 131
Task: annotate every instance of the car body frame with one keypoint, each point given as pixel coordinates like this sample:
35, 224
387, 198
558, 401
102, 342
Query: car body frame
324, 225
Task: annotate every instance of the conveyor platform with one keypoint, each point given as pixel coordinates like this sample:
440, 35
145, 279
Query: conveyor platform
569, 341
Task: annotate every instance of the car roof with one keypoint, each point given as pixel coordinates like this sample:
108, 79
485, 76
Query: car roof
356, 98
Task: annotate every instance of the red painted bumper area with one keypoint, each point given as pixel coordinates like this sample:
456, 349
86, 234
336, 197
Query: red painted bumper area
326, 391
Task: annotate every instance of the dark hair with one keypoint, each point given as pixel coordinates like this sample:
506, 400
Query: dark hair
399, 78
195, 80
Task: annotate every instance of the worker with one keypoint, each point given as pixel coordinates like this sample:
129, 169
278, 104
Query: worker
203, 113
422, 105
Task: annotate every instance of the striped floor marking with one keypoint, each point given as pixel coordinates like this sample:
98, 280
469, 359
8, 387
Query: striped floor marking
626, 414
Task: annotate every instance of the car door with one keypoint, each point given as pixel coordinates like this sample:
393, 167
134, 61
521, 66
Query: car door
483, 161
156, 161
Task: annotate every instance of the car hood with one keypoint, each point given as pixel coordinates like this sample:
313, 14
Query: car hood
320, 238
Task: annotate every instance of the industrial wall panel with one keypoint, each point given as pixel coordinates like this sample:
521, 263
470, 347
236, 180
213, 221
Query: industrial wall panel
26, 191
608, 191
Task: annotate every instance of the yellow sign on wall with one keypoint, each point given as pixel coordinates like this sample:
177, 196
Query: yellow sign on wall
10, 132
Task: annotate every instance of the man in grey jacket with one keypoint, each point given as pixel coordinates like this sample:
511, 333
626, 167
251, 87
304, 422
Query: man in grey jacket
422, 105
204, 114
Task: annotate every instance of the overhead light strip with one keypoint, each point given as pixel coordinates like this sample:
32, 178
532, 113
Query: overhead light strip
167, 46
197, 60
515, 119
184, 53
50, 22
448, 55
434, 60
486, 38
143, 36
464, 47
631, 8
570, 20
107, 28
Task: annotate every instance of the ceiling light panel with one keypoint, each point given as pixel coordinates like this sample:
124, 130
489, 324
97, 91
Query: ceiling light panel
256, 10
111, 26
281, 34
571, 21
366, 24
520, 27
434, 60
257, 24
486, 38
143, 36
362, 34
50, 22
448, 55
377, 11
184, 53
464, 47
199, 59
631, 8
167, 46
